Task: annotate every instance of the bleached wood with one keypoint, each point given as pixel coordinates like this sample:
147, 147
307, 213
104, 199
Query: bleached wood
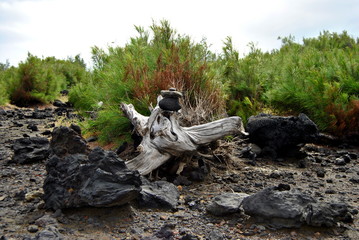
163, 137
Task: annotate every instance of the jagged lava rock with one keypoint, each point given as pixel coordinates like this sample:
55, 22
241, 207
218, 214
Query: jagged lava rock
30, 149
76, 178
68, 140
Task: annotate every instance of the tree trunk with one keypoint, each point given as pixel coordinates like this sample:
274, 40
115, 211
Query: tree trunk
163, 137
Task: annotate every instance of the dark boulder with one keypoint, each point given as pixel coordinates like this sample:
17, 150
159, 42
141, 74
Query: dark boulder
29, 150
77, 177
99, 179
277, 135
280, 207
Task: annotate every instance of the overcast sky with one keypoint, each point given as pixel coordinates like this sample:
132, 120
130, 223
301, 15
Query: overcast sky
63, 28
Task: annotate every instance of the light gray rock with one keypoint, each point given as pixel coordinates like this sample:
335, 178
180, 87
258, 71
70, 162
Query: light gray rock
50, 233
226, 203
159, 194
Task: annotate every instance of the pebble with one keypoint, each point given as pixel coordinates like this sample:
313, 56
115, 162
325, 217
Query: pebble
320, 172
33, 195
340, 162
330, 191
32, 228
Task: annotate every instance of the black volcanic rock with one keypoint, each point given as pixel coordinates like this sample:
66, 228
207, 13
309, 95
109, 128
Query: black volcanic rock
68, 140
280, 134
30, 149
77, 177
292, 208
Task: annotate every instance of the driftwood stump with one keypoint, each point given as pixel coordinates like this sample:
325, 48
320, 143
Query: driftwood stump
163, 137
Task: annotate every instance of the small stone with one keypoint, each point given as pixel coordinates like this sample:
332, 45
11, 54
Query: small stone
32, 228
33, 195
347, 158
275, 174
171, 93
302, 163
282, 187
215, 235
354, 180
92, 139
51, 232
340, 162
320, 172
166, 231
46, 132
46, 220
189, 236
330, 191
317, 235
33, 127
353, 156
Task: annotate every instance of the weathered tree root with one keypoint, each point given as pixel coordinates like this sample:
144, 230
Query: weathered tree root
163, 137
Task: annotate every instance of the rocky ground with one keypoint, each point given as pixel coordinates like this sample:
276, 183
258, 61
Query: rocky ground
327, 173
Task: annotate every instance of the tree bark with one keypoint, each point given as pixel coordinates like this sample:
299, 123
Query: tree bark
163, 137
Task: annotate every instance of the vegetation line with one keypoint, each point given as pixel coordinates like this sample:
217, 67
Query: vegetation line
319, 77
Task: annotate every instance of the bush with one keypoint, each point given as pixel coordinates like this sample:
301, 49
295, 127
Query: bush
138, 72
319, 77
7, 76
244, 78
38, 81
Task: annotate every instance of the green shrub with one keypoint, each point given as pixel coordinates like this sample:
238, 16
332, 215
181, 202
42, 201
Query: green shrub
320, 73
40, 80
319, 77
244, 80
138, 72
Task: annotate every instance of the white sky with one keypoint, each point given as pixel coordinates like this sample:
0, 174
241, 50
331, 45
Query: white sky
63, 28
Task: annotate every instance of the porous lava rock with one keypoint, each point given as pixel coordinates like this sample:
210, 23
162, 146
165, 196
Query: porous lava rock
280, 134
